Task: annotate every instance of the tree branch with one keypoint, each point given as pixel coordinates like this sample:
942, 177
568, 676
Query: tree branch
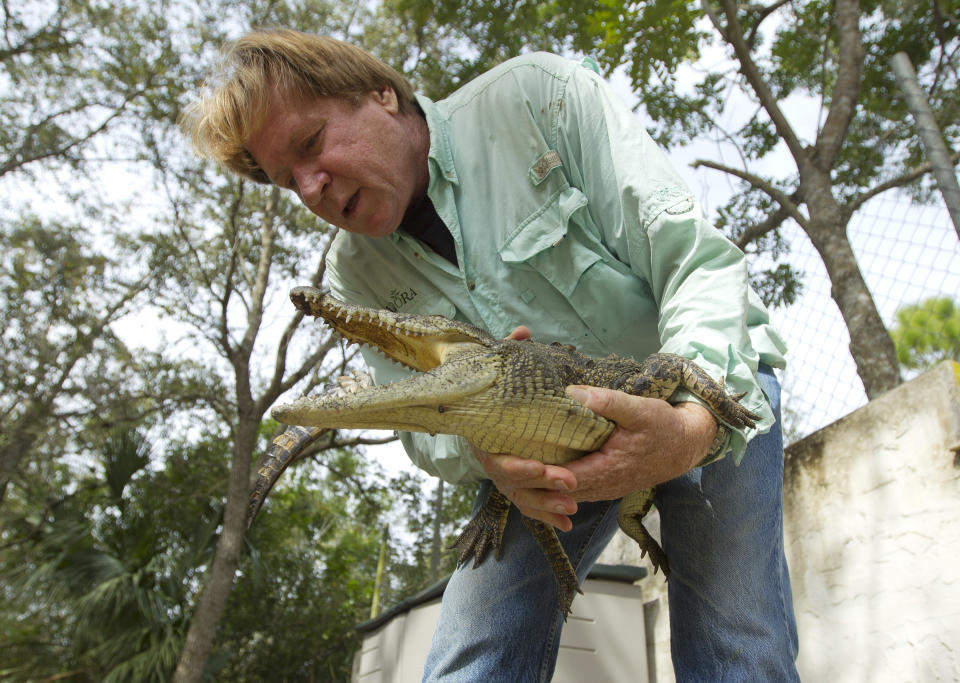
846, 92
277, 385
785, 201
900, 181
268, 231
758, 230
733, 33
763, 12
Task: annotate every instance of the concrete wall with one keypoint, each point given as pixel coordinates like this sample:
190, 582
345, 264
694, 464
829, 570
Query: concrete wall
872, 531
872, 520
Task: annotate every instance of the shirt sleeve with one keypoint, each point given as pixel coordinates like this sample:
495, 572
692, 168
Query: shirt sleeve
649, 220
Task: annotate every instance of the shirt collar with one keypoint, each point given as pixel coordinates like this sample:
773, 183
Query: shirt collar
441, 152
440, 156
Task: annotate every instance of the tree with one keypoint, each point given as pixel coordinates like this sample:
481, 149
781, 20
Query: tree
100, 580
71, 73
857, 143
862, 143
106, 84
308, 577
225, 268
927, 333
58, 300
73, 77
106, 581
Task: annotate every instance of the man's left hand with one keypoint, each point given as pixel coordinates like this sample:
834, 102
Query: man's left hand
653, 442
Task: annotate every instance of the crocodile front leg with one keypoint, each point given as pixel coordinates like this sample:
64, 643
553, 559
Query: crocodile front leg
661, 374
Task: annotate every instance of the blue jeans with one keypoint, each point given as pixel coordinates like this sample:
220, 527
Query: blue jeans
731, 609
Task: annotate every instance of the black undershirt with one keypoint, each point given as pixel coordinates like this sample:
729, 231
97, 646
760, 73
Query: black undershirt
424, 223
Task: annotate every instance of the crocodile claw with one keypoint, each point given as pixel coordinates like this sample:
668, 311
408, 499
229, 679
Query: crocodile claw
633, 508
485, 532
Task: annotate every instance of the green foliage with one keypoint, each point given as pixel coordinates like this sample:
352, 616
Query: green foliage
99, 582
927, 333
71, 72
307, 581
407, 565
102, 579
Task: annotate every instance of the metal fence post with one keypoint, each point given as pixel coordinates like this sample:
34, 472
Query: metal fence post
933, 143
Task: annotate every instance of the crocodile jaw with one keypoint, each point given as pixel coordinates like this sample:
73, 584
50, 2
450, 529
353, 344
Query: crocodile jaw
464, 388
421, 342
419, 403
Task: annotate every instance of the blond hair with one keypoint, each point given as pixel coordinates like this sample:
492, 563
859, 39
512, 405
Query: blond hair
298, 65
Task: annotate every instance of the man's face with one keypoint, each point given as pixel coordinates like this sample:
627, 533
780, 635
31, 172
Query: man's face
350, 164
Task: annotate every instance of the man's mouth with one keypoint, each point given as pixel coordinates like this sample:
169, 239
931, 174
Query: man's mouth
350, 206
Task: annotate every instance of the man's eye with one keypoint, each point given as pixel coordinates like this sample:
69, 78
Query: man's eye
311, 141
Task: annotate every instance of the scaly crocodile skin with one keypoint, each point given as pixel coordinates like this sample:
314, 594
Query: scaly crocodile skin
503, 395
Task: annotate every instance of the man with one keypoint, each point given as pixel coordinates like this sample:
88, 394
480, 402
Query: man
532, 197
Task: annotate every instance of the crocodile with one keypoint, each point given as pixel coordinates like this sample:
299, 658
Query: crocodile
502, 395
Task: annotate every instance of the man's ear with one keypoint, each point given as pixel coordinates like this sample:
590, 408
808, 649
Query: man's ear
386, 98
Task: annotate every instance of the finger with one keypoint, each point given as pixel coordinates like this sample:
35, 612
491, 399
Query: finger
622, 408
561, 522
499, 466
526, 473
543, 501
520, 333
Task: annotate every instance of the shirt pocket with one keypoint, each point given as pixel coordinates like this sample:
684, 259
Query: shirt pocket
612, 302
540, 243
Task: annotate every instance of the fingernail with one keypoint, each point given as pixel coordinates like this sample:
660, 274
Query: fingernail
578, 393
561, 485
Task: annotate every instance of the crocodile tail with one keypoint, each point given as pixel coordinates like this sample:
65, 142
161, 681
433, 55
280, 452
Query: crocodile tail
285, 449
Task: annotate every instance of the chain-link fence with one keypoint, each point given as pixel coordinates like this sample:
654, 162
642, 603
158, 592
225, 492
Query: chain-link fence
908, 253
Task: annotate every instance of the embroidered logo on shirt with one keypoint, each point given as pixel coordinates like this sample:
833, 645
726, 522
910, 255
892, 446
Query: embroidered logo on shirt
400, 298
544, 165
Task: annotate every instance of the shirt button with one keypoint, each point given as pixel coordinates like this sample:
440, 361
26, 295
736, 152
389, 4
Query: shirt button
471, 285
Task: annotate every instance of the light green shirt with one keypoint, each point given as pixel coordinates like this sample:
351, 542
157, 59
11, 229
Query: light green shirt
568, 219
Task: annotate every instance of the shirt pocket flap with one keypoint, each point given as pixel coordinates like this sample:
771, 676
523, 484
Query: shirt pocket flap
544, 228
541, 242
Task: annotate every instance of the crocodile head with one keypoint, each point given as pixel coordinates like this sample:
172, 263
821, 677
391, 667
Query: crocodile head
504, 396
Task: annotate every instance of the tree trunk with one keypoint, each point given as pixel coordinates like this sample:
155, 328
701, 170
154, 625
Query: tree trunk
437, 542
870, 343
213, 600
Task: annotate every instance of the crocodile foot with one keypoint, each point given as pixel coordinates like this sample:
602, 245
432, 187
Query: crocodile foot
567, 583
484, 531
633, 508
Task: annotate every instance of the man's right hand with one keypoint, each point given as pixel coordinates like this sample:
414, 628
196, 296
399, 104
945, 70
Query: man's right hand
539, 491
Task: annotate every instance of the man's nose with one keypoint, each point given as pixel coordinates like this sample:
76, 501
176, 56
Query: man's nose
311, 186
